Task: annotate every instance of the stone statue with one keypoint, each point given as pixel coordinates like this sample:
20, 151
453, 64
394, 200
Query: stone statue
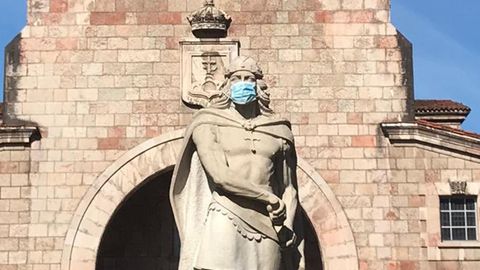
234, 190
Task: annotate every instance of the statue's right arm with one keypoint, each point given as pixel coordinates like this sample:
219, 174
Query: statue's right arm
213, 159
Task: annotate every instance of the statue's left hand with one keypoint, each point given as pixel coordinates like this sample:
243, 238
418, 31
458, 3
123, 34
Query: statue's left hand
277, 211
287, 237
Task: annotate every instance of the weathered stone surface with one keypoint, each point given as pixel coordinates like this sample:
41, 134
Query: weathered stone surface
102, 77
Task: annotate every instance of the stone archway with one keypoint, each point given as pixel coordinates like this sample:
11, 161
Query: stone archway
142, 233
133, 168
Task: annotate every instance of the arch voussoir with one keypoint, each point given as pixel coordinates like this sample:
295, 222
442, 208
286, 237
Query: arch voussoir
131, 170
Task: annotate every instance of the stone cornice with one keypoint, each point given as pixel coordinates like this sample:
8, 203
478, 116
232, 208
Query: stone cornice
12, 137
433, 137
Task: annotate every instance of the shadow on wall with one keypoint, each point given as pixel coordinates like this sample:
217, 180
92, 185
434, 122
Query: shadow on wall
11, 63
12, 59
406, 50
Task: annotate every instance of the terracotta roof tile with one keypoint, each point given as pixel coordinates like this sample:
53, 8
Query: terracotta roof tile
449, 129
432, 105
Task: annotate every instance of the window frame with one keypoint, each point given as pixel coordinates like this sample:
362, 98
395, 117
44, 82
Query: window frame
430, 215
450, 212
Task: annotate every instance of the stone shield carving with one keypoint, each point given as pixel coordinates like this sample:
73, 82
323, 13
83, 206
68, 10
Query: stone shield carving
203, 67
458, 187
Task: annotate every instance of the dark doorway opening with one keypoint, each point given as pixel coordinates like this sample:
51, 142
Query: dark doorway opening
142, 234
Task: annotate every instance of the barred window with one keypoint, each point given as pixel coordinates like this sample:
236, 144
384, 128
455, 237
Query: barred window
458, 218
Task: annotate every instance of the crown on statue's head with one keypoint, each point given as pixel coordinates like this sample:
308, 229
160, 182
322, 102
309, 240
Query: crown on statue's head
209, 21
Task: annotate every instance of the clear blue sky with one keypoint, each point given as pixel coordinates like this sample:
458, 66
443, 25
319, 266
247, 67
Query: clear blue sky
12, 20
446, 40
444, 33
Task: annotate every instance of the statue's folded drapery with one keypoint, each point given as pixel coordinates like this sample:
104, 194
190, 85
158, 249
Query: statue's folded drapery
200, 207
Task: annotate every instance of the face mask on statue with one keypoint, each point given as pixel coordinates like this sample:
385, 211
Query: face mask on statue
243, 92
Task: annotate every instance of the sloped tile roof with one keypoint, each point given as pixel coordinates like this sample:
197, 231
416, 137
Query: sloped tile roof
448, 129
432, 105
434, 137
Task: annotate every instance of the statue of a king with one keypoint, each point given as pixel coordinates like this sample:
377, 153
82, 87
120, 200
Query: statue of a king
234, 190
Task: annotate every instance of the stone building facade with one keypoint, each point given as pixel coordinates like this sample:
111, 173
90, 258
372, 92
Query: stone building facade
93, 121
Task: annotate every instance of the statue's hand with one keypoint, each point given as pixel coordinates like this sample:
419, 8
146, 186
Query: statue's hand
277, 211
292, 241
287, 237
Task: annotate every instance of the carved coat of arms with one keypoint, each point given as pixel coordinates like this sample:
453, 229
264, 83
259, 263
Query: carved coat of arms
204, 59
203, 68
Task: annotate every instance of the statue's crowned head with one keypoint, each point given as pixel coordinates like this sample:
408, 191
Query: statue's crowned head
242, 74
244, 63
244, 84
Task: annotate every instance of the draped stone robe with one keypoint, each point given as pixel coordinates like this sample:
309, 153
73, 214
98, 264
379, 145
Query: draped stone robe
220, 229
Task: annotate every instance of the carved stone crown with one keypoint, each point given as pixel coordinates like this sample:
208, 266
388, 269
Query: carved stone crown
209, 21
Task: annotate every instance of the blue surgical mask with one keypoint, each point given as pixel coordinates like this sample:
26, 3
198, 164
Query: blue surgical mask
243, 92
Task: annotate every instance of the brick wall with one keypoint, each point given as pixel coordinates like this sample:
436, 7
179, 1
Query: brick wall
15, 207
100, 77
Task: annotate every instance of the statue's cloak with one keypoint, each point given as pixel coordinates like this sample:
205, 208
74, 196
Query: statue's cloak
191, 192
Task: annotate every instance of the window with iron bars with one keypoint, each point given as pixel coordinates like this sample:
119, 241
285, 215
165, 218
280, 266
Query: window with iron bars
458, 218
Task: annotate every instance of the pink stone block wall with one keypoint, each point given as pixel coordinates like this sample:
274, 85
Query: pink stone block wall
100, 77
